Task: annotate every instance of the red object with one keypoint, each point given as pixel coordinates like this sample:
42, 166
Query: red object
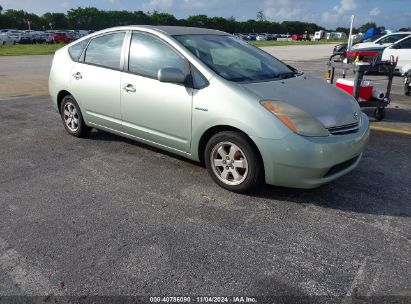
297, 37
347, 85
363, 54
60, 37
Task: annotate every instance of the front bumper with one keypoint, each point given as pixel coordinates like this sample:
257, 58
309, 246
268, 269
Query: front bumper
309, 162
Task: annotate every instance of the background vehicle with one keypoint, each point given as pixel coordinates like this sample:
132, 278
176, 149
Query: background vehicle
400, 49
6, 39
59, 37
15, 35
383, 41
296, 37
261, 37
319, 35
251, 37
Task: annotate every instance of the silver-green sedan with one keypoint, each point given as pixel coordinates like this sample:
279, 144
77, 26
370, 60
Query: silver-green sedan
213, 98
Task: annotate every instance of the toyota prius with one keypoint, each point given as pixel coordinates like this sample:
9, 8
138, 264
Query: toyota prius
213, 98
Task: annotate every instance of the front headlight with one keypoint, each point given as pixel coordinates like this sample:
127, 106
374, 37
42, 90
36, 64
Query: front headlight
295, 119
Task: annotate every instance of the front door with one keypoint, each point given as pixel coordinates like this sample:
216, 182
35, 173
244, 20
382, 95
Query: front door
152, 110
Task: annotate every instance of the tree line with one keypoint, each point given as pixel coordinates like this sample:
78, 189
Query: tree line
91, 18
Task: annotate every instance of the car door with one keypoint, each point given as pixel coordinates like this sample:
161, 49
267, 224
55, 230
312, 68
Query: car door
152, 110
95, 80
402, 50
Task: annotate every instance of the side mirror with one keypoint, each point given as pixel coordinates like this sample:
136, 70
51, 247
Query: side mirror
171, 75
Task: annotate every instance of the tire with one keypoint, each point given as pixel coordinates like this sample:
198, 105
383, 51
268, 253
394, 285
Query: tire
72, 118
233, 162
379, 114
407, 85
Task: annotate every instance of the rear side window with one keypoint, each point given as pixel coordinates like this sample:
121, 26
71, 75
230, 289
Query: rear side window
149, 54
105, 51
76, 50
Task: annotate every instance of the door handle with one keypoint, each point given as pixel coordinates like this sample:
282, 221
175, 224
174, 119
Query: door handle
77, 76
129, 88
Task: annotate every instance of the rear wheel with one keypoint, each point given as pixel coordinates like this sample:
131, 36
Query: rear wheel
72, 118
233, 162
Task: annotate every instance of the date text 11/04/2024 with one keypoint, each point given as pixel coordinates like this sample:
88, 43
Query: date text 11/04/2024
239, 299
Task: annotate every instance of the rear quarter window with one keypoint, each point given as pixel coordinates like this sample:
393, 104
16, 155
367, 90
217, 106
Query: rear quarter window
76, 50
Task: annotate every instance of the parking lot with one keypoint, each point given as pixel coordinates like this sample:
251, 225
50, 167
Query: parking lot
108, 216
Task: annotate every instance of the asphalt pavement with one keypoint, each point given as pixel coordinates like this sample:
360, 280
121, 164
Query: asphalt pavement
108, 216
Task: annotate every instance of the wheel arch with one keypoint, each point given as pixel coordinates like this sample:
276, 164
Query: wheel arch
60, 97
222, 128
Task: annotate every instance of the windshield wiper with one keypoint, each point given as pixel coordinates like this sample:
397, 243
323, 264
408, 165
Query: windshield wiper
289, 74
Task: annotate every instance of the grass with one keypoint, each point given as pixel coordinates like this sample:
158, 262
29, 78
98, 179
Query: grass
29, 49
283, 43
45, 49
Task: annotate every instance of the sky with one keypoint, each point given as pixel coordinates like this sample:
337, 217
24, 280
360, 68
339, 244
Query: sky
393, 14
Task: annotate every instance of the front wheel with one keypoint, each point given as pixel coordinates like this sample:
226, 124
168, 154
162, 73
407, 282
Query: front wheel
407, 84
379, 114
233, 162
72, 117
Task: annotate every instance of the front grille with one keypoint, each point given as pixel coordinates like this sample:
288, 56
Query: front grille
340, 167
347, 129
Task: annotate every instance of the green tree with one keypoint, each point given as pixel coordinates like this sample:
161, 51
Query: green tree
163, 19
363, 28
55, 21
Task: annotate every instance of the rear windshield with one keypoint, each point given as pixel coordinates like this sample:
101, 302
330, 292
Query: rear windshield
234, 59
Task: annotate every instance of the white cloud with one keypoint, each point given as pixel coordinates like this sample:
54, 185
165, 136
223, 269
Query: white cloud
65, 4
346, 6
159, 5
340, 12
280, 10
194, 4
375, 12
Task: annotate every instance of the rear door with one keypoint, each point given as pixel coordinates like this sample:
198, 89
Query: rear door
95, 80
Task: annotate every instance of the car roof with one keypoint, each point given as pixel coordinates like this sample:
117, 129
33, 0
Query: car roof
396, 33
170, 30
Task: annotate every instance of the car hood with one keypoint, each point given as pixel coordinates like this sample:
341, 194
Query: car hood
370, 45
331, 106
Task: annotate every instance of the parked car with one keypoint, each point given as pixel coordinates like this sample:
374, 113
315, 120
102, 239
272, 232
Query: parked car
251, 37
383, 41
400, 49
6, 39
211, 97
60, 37
261, 37
296, 37
14, 34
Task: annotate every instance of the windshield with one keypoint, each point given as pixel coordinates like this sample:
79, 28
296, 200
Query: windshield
234, 59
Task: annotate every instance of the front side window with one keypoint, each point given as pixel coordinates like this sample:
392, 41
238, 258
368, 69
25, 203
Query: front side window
148, 55
234, 59
406, 44
105, 50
